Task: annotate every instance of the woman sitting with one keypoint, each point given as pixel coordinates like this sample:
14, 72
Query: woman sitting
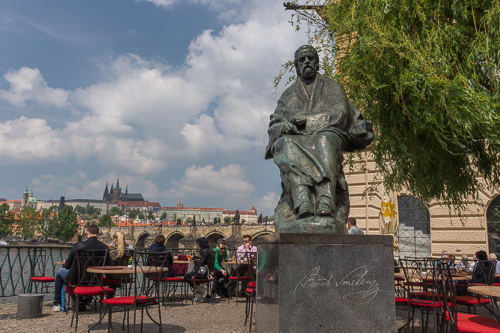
120, 254
159, 246
203, 267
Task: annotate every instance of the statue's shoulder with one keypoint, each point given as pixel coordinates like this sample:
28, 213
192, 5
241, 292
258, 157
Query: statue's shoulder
289, 91
329, 83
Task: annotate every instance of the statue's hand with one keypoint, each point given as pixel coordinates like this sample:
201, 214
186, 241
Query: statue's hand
299, 121
289, 128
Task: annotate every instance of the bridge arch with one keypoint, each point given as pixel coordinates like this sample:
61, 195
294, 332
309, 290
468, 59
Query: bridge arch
213, 236
141, 240
255, 237
173, 239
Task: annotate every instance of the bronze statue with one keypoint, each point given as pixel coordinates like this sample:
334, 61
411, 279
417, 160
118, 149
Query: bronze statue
237, 217
312, 125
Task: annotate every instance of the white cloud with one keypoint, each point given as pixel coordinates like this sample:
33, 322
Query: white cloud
27, 84
226, 182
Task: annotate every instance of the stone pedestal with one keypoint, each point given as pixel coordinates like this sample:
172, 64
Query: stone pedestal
325, 283
29, 305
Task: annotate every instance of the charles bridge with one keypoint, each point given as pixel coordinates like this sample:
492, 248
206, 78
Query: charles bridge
185, 236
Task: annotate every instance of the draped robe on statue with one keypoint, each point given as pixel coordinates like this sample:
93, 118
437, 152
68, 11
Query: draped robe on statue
313, 157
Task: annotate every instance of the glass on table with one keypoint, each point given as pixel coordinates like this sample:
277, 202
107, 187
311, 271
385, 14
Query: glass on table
188, 257
176, 258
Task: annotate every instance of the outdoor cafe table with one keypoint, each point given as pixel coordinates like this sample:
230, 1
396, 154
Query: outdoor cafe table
125, 269
417, 276
59, 263
493, 291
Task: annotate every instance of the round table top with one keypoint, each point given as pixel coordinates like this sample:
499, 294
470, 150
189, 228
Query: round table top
421, 277
126, 270
183, 262
59, 263
485, 290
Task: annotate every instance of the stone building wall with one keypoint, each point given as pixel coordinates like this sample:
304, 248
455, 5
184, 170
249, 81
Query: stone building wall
463, 233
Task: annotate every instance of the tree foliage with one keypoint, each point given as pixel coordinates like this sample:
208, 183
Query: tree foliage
47, 224
29, 219
163, 216
427, 74
115, 211
6, 220
66, 227
106, 221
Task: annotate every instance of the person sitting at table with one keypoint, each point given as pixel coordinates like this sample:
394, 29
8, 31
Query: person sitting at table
119, 254
159, 246
463, 265
69, 274
219, 272
493, 257
204, 261
481, 267
243, 253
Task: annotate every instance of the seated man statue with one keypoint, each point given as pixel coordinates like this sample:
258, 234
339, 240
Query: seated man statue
313, 124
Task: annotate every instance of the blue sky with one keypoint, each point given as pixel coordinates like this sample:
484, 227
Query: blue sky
173, 97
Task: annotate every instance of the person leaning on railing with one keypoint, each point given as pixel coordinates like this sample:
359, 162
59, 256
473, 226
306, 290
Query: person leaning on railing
69, 274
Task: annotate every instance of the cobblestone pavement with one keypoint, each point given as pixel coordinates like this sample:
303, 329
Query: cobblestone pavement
220, 317
199, 317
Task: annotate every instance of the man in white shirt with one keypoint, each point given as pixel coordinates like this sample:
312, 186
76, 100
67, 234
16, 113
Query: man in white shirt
245, 253
353, 230
493, 256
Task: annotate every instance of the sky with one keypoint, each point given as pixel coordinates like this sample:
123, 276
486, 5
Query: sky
173, 97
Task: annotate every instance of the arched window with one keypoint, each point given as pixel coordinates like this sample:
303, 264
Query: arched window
414, 232
493, 220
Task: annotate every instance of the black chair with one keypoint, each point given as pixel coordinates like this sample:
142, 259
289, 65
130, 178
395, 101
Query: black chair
421, 290
89, 284
251, 290
146, 291
242, 272
206, 278
450, 317
38, 260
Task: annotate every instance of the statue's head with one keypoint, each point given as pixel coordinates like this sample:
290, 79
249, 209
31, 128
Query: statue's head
306, 62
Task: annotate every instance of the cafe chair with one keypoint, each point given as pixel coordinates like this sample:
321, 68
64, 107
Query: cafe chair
146, 290
421, 290
482, 275
451, 318
243, 271
89, 284
180, 270
250, 294
38, 259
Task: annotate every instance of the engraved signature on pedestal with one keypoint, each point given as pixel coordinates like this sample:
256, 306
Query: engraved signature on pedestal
365, 289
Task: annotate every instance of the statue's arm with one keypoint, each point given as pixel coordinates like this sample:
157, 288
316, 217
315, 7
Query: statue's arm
278, 126
360, 131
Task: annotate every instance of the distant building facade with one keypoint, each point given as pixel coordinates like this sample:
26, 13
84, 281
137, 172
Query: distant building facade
205, 214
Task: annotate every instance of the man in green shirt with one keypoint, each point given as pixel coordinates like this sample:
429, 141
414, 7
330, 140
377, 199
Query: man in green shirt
219, 272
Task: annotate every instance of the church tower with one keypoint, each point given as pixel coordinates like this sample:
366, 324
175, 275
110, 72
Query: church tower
25, 199
105, 195
117, 190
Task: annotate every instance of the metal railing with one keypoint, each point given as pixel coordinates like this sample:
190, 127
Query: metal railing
15, 268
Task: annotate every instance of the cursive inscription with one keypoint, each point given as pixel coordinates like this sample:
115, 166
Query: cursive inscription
313, 280
363, 288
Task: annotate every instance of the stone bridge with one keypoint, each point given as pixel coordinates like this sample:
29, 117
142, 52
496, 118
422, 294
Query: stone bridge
185, 236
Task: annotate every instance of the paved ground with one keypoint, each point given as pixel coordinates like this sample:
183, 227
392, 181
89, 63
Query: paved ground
220, 317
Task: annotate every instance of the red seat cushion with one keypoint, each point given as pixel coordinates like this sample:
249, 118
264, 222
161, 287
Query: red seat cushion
175, 279
424, 294
252, 284
250, 290
417, 284
469, 323
471, 300
93, 291
202, 280
69, 290
401, 300
239, 278
43, 278
128, 300
426, 304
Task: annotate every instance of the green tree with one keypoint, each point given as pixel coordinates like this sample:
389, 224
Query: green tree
163, 216
29, 219
189, 220
80, 209
427, 74
141, 215
106, 221
243, 220
66, 227
133, 213
47, 224
227, 220
6, 220
151, 215
115, 211
89, 209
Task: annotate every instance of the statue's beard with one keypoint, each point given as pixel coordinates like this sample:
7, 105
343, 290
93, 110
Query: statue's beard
308, 75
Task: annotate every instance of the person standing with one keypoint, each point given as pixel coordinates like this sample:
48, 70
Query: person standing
353, 229
219, 272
